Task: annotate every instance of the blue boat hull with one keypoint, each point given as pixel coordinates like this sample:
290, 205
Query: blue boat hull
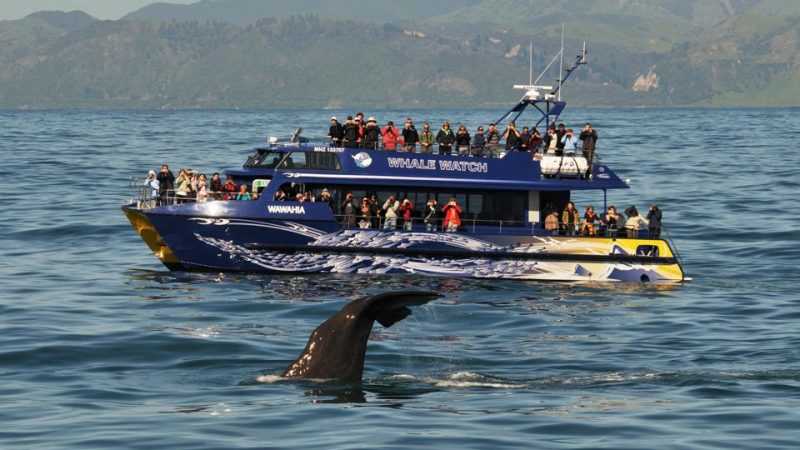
191, 239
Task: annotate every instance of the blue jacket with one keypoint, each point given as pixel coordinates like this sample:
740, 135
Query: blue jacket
570, 143
152, 183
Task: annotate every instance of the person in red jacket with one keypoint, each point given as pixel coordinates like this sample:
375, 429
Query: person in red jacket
229, 189
452, 216
406, 211
390, 135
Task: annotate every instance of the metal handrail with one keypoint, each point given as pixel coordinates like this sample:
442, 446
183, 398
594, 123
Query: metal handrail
145, 199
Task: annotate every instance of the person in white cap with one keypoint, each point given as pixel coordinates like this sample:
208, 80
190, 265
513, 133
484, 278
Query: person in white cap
152, 183
371, 134
336, 132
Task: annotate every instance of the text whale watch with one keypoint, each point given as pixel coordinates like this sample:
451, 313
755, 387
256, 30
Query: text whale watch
366, 208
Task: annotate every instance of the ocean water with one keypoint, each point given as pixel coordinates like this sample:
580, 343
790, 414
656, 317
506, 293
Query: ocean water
102, 347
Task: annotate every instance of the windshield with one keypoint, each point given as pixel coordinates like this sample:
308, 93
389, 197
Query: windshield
265, 159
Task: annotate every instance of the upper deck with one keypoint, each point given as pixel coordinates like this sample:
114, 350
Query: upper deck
321, 164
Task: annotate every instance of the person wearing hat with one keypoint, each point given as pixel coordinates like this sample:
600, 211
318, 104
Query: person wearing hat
478, 142
152, 183
336, 132
371, 133
325, 197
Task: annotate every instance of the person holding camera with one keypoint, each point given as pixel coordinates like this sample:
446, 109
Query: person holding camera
589, 217
365, 215
431, 215
406, 211
390, 215
511, 135
612, 220
410, 136
589, 138
462, 140
370, 134
349, 210
569, 140
390, 136
166, 185
654, 217
452, 216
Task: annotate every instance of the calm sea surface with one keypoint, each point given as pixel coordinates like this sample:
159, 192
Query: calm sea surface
102, 347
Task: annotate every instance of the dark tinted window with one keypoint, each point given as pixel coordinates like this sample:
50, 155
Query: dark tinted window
311, 160
508, 206
265, 159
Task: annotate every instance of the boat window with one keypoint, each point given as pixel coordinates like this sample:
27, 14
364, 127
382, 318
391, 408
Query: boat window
508, 206
311, 160
295, 160
323, 161
647, 250
265, 159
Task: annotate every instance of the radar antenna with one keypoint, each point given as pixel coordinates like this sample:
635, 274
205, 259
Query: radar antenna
546, 99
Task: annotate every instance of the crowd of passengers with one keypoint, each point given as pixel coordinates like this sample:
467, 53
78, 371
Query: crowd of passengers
394, 213
165, 189
356, 133
610, 224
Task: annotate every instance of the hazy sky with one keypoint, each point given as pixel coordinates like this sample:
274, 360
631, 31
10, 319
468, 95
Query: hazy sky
102, 9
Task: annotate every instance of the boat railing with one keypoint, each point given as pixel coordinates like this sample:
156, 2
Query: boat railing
145, 198
487, 151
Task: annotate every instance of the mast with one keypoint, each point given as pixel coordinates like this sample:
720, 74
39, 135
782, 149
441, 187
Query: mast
561, 64
530, 64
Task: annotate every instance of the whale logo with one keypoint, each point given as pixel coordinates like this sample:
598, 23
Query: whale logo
362, 159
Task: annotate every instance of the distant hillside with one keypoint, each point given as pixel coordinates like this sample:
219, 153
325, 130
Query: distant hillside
69, 60
240, 11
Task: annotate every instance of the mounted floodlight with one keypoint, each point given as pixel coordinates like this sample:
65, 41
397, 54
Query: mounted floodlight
533, 92
272, 140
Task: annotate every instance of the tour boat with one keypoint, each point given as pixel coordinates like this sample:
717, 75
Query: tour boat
501, 234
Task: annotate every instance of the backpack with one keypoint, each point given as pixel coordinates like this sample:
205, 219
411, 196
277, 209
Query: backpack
371, 134
351, 133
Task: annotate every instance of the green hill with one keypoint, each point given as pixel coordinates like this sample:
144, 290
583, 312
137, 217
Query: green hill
241, 11
69, 60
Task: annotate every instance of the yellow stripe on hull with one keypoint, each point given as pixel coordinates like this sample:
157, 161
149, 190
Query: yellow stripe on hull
150, 236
